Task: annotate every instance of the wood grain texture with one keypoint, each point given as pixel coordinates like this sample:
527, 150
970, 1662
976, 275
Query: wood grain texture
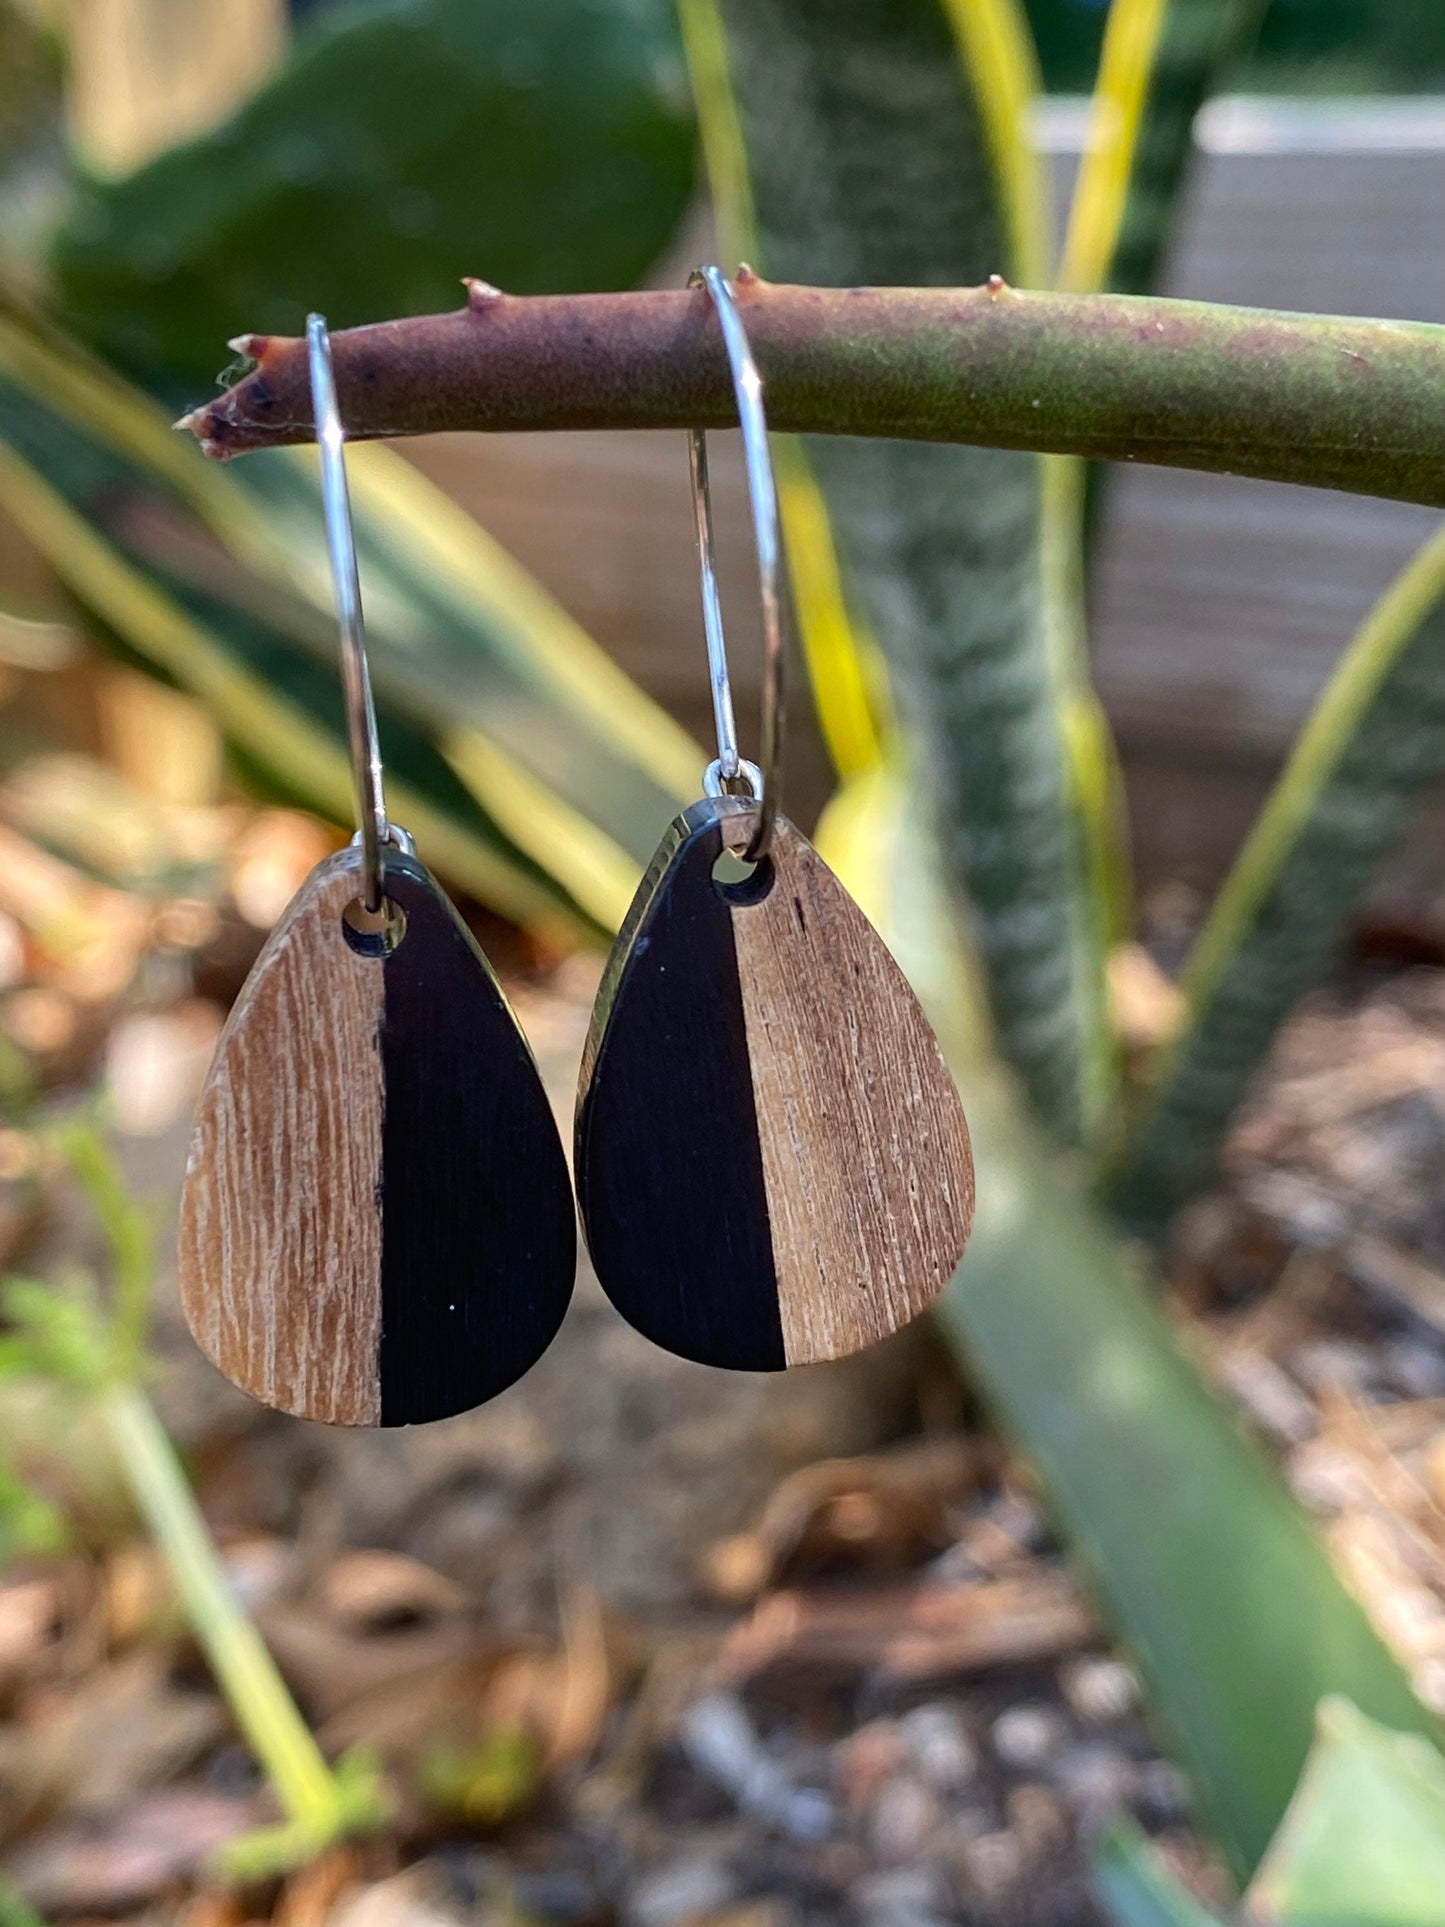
772, 1162
865, 1152
377, 1223
280, 1236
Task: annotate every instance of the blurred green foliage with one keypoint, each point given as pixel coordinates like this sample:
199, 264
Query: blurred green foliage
1306, 46
540, 144
1362, 1845
1364, 1838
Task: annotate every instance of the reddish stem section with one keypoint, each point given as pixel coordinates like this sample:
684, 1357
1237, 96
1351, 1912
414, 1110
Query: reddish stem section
1333, 401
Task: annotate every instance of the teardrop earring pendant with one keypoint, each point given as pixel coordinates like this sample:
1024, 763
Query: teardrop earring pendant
377, 1224
772, 1162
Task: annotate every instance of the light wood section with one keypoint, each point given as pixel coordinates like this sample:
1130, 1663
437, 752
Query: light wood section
280, 1236
866, 1159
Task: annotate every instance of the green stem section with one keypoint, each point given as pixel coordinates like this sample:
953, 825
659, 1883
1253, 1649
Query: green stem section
127, 1228
254, 1690
1325, 400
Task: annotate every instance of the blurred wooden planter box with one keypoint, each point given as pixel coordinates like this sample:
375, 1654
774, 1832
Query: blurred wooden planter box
1221, 606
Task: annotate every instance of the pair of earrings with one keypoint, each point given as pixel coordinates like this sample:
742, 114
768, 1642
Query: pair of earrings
771, 1161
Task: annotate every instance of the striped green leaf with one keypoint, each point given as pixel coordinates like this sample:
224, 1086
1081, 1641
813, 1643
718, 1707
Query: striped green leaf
1161, 61
883, 142
559, 745
1204, 1565
294, 748
1375, 741
1378, 735
549, 766
848, 677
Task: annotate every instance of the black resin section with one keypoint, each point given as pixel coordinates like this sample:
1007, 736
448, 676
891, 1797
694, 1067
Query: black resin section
669, 1168
478, 1232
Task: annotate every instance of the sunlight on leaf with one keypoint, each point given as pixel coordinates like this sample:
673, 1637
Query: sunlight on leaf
1363, 1843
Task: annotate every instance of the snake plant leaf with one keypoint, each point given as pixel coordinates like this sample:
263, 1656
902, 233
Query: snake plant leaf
1161, 61
1202, 1562
1363, 1843
882, 142
464, 637
1374, 742
1133, 1888
464, 640
495, 707
546, 144
846, 673
289, 733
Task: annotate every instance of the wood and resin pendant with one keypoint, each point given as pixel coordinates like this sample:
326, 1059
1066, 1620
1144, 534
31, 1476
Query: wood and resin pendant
377, 1225
772, 1162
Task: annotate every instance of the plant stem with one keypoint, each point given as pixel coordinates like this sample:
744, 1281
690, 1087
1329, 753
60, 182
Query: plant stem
263, 1708
127, 1229
1327, 400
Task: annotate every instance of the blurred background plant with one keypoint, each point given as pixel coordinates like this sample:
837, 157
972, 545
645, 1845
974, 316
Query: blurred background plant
171, 748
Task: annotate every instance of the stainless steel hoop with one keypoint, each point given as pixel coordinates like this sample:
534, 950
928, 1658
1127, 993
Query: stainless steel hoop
374, 831
730, 770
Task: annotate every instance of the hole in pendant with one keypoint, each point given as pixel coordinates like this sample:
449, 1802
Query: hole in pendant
737, 881
373, 933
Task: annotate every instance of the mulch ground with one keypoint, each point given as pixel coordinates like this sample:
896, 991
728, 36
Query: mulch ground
649, 1644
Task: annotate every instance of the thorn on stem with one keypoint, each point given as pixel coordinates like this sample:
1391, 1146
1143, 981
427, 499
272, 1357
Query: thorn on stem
997, 284
201, 423
480, 294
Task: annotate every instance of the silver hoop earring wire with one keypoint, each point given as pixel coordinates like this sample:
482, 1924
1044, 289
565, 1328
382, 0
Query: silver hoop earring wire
374, 831
730, 770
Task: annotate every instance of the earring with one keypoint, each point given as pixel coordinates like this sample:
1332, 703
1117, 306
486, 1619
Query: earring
377, 1223
772, 1162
